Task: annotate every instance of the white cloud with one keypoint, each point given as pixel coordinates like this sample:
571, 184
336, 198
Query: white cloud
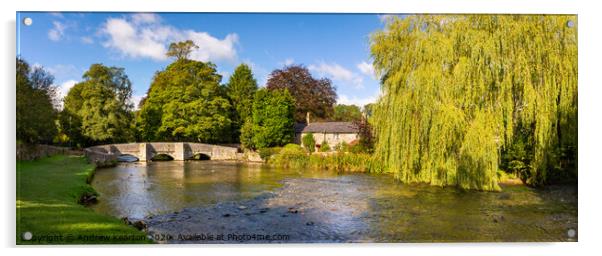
62, 90
287, 62
135, 100
366, 69
87, 40
145, 18
57, 31
211, 48
225, 75
337, 72
354, 100
131, 42
145, 36
66, 86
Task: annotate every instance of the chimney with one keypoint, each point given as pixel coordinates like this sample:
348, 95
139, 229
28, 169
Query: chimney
307, 118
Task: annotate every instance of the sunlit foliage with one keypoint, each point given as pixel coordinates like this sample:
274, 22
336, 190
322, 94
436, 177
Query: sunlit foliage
35, 110
241, 89
309, 143
98, 109
186, 102
271, 123
459, 90
346, 113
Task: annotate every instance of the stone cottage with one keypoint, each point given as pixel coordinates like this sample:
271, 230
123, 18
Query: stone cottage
333, 133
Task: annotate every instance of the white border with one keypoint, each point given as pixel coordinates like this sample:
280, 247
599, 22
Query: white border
344, 6
590, 98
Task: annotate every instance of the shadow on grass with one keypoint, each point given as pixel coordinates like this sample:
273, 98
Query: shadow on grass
47, 194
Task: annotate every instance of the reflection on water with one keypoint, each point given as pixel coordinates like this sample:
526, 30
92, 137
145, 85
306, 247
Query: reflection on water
387, 210
141, 189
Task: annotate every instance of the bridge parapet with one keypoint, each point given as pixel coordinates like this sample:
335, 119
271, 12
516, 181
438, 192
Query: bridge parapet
146, 151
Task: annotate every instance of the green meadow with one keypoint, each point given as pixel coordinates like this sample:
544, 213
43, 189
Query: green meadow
48, 192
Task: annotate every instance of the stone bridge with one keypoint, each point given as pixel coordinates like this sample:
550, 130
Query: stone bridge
146, 151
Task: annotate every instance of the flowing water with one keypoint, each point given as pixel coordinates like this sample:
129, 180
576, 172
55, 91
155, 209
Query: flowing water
206, 197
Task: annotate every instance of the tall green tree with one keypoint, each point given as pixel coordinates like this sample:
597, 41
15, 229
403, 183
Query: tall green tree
35, 110
181, 50
456, 89
98, 109
272, 120
241, 89
346, 113
185, 102
316, 96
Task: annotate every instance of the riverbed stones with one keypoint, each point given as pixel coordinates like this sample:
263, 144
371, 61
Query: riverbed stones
324, 214
138, 224
300, 211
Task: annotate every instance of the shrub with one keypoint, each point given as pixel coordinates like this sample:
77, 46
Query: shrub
357, 148
296, 157
292, 148
342, 147
246, 134
266, 153
309, 142
503, 176
291, 155
324, 147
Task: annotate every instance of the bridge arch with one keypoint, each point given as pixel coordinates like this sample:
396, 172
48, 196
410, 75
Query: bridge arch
201, 157
162, 157
127, 158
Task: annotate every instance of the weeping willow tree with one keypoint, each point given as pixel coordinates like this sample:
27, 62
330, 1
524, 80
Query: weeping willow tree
458, 91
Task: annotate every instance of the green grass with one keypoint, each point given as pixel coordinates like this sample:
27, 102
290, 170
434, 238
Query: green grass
48, 191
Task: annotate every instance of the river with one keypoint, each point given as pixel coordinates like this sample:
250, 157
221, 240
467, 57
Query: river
228, 202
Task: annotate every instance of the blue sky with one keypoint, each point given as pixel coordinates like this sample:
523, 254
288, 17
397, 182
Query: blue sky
330, 45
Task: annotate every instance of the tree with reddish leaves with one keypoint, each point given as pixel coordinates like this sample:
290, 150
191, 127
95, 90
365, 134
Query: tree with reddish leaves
366, 134
316, 96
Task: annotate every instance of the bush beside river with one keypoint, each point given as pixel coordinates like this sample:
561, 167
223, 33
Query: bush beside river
294, 156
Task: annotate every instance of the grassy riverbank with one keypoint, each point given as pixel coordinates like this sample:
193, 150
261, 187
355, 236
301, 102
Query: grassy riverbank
48, 191
294, 156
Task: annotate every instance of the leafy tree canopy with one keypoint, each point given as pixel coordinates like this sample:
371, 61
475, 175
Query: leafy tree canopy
185, 102
98, 109
241, 89
272, 120
316, 96
181, 50
457, 90
346, 113
36, 112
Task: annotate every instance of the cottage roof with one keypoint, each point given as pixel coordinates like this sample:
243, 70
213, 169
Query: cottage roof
327, 127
